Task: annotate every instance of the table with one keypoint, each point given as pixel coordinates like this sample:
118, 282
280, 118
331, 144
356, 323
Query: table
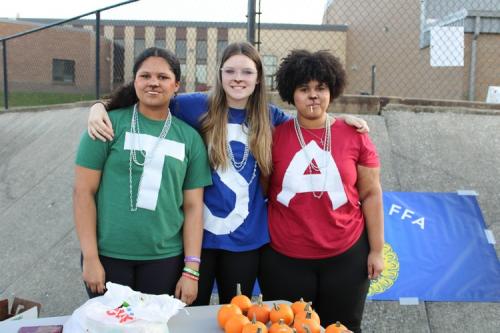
193, 319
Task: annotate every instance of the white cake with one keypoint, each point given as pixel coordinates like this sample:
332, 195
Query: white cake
121, 320
123, 310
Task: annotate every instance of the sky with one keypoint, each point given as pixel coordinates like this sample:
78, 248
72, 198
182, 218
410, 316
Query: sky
273, 11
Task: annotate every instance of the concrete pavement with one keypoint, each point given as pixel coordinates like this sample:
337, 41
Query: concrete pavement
425, 149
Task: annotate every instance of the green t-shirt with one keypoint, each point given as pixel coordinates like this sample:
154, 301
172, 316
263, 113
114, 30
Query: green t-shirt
179, 163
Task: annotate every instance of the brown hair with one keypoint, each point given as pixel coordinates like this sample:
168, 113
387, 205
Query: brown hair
214, 123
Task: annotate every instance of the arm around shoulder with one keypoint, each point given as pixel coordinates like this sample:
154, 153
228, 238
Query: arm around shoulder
99, 125
278, 116
359, 123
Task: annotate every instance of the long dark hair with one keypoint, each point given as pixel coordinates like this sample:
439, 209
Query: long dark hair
125, 95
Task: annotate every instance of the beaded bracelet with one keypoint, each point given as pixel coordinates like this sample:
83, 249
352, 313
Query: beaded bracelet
191, 271
190, 276
192, 259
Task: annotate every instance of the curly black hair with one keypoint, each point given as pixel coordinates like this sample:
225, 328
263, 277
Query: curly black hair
302, 66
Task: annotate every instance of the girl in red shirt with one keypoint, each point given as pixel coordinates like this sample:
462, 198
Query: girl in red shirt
325, 199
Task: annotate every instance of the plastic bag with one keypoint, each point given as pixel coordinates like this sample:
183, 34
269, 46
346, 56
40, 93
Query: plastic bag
122, 309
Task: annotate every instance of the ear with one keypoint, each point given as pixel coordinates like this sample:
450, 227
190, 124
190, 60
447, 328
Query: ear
177, 86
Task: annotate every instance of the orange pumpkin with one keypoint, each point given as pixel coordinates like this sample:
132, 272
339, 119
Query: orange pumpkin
306, 324
299, 305
281, 311
302, 314
307, 329
241, 301
260, 310
235, 323
254, 327
336, 328
225, 312
280, 327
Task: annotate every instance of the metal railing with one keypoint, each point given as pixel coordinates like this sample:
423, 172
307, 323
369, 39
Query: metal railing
97, 13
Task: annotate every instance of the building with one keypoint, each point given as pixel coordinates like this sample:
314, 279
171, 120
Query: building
388, 46
198, 45
57, 60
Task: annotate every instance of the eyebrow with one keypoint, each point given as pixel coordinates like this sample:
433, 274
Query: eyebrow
244, 68
148, 72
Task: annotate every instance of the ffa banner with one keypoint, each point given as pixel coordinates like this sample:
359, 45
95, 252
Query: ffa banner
436, 249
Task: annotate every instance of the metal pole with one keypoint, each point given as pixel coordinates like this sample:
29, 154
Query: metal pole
374, 74
258, 28
5, 79
473, 59
251, 22
97, 54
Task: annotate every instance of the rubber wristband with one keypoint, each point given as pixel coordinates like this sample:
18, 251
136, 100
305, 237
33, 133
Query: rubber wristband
190, 276
192, 259
191, 271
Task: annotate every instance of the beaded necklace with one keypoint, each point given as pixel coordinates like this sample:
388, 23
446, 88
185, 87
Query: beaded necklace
134, 129
240, 165
327, 147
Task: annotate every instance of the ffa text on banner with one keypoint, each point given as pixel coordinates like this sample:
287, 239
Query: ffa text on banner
436, 250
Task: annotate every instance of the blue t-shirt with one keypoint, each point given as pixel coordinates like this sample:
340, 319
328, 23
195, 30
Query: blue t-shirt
235, 213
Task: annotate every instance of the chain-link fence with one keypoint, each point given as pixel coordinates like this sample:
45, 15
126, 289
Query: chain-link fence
443, 49
433, 49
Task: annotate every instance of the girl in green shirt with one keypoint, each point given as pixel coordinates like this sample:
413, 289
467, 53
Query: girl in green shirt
138, 199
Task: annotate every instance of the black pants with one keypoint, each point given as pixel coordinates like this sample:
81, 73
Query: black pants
156, 277
227, 268
337, 286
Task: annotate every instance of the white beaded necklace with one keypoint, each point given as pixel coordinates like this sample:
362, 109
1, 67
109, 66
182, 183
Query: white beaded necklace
327, 147
240, 165
134, 129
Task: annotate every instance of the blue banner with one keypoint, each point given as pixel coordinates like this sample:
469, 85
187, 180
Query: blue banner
436, 250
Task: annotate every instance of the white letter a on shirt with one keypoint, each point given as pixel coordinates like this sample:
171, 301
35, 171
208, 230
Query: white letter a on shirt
295, 181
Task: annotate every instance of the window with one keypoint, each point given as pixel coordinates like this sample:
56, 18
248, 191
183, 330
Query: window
118, 61
201, 77
270, 64
181, 54
63, 71
139, 46
181, 50
221, 45
183, 78
201, 65
201, 51
160, 43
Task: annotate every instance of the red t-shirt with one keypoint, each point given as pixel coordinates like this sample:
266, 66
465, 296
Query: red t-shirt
300, 224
